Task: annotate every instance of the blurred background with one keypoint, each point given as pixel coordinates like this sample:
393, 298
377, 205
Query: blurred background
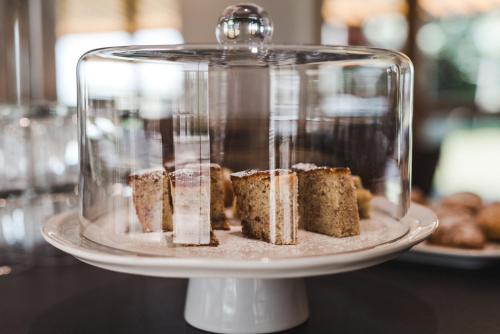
454, 45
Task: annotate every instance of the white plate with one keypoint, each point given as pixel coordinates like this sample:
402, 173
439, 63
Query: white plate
381, 228
312, 259
454, 257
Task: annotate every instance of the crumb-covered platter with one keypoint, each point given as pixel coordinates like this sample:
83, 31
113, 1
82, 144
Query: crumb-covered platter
243, 257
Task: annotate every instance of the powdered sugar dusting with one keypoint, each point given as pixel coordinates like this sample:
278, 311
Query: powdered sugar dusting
185, 173
380, 229
252, 172
152, 172
245, 173
303, 167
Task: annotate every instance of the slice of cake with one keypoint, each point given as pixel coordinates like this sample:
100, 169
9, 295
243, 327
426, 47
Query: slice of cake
228, 187
299, 169
217, 199
267, 205
217, 193
364, 197
191, 206
151, 198
328, 200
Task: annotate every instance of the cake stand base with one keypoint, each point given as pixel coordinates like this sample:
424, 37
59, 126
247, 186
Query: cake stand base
264, 293
234, 305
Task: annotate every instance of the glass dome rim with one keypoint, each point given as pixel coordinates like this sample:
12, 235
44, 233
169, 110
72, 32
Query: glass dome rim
377, 54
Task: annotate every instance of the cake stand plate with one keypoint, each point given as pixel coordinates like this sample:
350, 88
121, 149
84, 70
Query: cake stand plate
241, 294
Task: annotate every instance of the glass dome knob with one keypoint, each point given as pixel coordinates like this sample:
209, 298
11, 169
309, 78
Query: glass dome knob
244, 23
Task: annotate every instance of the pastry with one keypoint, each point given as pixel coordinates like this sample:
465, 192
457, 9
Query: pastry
465, 200
228, 187
459, 224
151, 198
458, 231
489, 220
448, 211
328, 201
357, 182
191, 206
363, 197
267, 205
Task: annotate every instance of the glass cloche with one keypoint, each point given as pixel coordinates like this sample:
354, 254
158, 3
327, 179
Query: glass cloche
243, 147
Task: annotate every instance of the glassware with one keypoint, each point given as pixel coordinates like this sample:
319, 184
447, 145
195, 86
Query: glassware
38, 143
55, 148
16, 234
54, 172
46, 205
16, 231
38, 173
14, 149
179, 118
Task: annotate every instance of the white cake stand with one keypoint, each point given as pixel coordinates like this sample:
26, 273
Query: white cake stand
237, 291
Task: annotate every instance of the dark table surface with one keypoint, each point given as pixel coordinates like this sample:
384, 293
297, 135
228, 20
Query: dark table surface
395, 297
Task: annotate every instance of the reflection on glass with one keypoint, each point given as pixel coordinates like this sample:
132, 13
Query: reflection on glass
191, 180
235, 148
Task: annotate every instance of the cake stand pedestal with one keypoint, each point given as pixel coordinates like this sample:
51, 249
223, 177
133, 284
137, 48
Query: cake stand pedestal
242, 295
231, 305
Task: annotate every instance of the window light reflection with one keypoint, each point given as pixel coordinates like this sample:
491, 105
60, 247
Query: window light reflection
470, 161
